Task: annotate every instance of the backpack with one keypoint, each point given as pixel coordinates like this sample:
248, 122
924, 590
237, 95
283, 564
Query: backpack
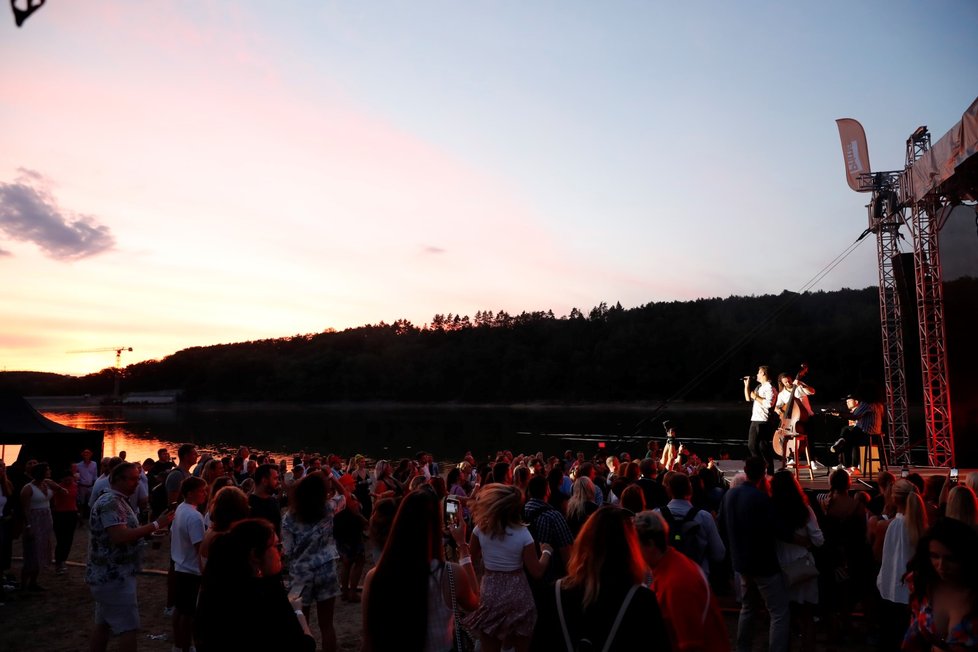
586, 644
685, 535
158, 499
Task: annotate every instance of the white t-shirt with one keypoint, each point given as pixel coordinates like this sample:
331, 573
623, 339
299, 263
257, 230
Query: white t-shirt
761, 409
187, 531
141, 495
801, 398
504, 553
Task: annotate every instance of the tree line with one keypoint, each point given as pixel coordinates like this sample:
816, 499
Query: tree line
691, 350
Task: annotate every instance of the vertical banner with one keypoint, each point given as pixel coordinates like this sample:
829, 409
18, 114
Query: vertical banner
854, 151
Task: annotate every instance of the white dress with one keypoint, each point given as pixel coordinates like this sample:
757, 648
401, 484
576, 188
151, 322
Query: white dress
807, 591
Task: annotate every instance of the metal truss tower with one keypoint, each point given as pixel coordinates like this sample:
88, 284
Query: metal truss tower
885, 219
925, 227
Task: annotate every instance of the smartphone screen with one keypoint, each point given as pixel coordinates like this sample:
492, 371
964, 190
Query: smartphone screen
451, 509
954, 475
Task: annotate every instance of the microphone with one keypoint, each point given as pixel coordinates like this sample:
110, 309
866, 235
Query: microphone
746, 378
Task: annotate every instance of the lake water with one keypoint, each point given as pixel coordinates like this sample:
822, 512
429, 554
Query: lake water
391, 432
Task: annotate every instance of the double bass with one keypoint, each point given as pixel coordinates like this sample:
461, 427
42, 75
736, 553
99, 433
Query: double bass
785, 437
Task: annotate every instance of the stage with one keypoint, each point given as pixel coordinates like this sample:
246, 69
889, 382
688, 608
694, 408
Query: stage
730, 468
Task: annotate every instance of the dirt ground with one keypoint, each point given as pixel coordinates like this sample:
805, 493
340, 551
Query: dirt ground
60, 619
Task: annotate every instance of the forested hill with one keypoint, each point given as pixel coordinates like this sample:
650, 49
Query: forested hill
608, 354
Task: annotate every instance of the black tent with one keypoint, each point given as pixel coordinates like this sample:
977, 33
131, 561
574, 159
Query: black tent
41, 438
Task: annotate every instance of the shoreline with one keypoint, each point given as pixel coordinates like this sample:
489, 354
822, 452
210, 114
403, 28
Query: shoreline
66, 402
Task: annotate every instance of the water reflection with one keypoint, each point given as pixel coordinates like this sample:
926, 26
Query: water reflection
392, 432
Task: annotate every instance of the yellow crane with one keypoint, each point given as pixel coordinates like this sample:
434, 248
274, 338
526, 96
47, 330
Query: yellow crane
118, 363
118, 353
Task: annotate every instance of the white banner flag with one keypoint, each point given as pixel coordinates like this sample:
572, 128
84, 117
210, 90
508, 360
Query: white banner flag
854, 151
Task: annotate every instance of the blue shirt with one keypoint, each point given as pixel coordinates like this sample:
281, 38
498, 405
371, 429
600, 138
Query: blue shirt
748, 519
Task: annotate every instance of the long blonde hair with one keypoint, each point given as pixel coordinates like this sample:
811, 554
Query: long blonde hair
971, 481
962, 505
497, 506
581, 494
907, 500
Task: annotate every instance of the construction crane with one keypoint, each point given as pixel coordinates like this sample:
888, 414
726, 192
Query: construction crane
118, 353
118, 363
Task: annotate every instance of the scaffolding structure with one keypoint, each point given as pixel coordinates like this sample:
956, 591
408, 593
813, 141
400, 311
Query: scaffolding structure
885, 220
934, 180
925, 226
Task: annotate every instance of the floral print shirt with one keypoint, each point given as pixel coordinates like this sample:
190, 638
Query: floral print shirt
107, 561
923, 635
310, 546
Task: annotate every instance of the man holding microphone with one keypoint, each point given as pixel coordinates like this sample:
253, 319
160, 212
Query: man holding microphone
761, 400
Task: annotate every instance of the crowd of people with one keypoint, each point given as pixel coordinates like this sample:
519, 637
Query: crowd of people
516, 552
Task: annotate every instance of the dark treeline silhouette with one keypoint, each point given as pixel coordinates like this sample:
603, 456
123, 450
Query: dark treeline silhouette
610, 353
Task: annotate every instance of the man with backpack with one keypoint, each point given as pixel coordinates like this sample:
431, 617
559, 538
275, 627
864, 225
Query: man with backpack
692, 531
689, 609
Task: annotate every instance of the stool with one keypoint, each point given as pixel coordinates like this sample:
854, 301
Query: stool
866, 457
801, 448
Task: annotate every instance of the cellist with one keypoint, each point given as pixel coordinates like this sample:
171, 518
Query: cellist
801, 408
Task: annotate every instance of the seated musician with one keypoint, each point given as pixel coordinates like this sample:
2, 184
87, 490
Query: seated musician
866, 419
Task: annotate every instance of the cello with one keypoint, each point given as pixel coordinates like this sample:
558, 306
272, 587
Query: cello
784, 437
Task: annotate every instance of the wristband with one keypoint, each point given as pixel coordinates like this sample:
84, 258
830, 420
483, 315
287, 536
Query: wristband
463, 561
298, 612
156, 525
547, 553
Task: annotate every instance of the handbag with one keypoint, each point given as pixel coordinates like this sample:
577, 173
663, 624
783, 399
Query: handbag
463, 640
800, 570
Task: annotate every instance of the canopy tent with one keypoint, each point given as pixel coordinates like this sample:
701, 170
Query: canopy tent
951, 161
41, 438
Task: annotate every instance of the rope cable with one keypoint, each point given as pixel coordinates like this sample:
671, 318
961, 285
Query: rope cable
709, 369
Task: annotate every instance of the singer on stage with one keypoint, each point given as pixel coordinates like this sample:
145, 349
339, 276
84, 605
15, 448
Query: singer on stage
760, 433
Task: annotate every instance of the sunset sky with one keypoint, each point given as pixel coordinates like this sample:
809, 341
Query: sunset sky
181, 173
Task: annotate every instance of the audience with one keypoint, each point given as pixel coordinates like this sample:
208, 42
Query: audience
793, 513
243, 604
943, 580
502, 543
689, 609
307, 538
549, 568
602, 602
902, 536
408, 597
748, 519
